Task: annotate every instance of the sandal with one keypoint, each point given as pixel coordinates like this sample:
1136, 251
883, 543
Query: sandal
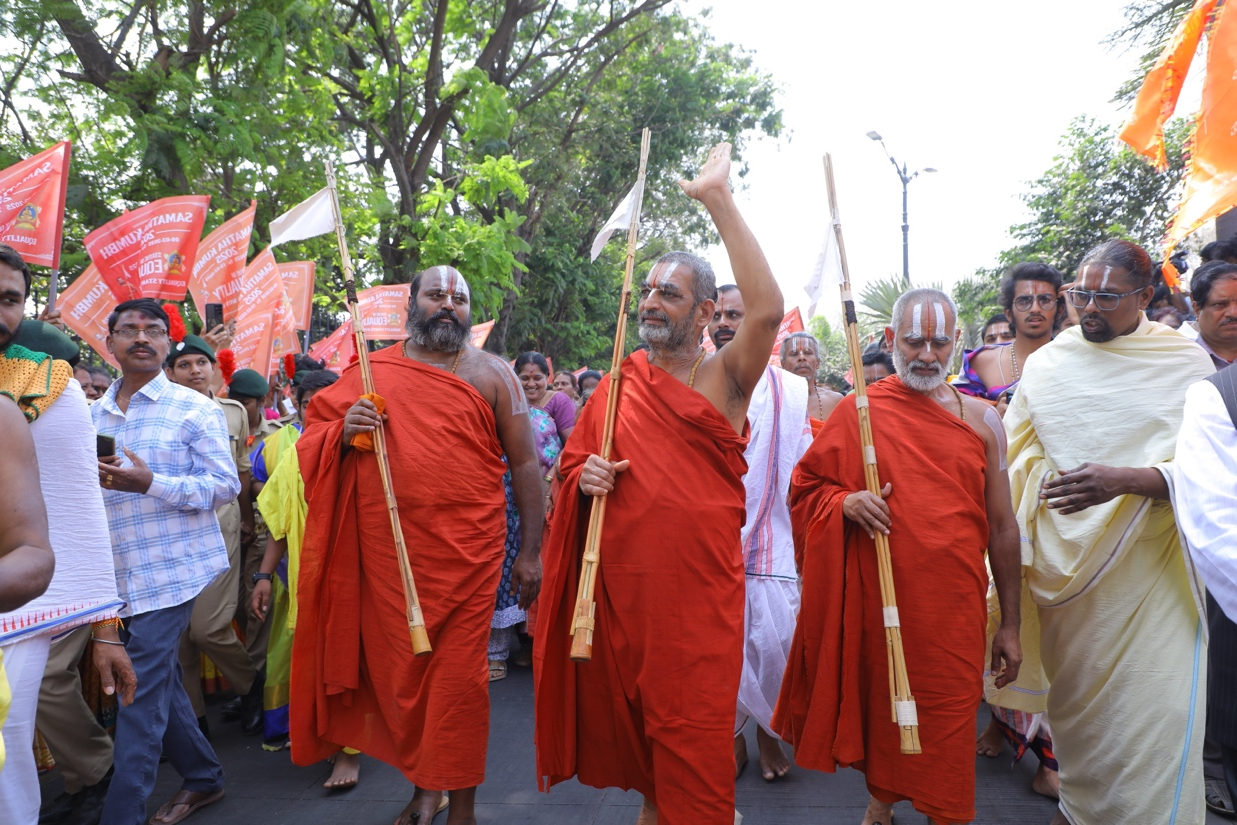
191, 801
498, 670
1218, 799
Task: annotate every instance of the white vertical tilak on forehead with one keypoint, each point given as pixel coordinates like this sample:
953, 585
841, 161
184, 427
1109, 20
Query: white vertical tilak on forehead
938, 309
667, 272
1104, 283
917, 320
450, 281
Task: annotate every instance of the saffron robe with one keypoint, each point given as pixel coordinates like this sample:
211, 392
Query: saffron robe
1122, 636
835, 705
355, 680
653, 711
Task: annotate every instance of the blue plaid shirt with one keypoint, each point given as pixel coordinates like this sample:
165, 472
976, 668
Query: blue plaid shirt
166, 542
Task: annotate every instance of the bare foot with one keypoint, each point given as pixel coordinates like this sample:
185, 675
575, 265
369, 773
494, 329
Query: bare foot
878, 813
1047, 782
346, 772
991, 742
740, 754
648, 814
425, 805
774, 763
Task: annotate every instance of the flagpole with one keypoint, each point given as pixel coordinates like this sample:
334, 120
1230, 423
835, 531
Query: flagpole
585, 616
903, 703
416, 622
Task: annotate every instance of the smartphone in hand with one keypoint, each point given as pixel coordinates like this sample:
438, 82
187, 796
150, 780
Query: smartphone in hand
105, 446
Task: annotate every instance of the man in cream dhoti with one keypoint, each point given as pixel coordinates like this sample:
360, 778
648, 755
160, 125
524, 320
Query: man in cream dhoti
779, 435
1123, 639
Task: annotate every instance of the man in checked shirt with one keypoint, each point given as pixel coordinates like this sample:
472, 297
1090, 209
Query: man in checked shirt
172, 468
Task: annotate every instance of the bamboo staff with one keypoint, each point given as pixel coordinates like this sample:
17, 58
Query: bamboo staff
416, 622
585, 616
903, 703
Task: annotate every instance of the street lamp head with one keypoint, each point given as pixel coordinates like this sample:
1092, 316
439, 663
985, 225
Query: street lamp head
928, 169
874, 135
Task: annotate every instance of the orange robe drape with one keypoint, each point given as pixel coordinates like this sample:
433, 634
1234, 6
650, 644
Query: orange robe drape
355, 680
834, 704
654, 709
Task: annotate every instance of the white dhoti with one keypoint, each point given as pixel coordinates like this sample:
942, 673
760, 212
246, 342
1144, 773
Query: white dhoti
780, 435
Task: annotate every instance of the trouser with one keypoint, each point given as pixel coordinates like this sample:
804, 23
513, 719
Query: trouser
19, 779
210, 628
1228, 758
257, 632
80, 745
160, 720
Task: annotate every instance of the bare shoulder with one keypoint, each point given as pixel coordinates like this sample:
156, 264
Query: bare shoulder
491, 376
976, 415
984, 356
828, 400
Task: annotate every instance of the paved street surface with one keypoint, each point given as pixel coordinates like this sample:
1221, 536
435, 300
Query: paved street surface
267, 789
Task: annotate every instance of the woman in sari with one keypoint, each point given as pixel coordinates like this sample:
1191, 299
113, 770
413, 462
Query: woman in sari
553, 417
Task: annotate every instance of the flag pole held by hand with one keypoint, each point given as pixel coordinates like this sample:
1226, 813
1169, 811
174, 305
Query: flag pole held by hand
585, 616
903, 703
416, 622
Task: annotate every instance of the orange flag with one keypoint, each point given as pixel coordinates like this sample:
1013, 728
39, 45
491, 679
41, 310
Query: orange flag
1211, 170
335, 350
1157, 99
792, 322
384, 311
32, 205
84, 307
298, 279
283, 333
149, 252
481, 333
261, 291
220, 261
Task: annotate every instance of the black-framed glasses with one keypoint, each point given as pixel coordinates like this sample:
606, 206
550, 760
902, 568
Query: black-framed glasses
1044, 299
1106, 301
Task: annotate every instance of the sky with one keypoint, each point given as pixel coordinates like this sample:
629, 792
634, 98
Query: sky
981, 91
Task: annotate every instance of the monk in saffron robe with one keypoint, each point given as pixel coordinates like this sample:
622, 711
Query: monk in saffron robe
453, 412
654, 710
945, 500
1123, 631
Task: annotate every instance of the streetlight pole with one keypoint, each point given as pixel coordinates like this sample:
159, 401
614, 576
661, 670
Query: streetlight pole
906, 179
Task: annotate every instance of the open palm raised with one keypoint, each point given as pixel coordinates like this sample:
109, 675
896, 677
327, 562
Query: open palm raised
715, 174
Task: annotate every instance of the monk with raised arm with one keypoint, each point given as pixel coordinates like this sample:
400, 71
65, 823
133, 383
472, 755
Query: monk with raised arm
452, 411
654, 709
945, 500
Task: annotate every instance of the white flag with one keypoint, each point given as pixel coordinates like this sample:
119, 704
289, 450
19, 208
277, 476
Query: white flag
308, 219
621, 219
828, 269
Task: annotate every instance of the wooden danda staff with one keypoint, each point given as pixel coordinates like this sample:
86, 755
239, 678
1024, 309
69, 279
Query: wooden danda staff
903, 703
585, 616
416, 622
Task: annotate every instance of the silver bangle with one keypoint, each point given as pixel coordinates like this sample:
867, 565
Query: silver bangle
107, 641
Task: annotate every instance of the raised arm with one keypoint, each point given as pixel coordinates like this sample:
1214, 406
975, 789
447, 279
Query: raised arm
744, 359
26, 559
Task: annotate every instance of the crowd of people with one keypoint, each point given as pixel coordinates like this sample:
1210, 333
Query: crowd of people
1060, 512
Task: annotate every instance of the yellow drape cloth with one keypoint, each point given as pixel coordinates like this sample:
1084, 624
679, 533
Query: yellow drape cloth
1122, 636
282, 504
6, 698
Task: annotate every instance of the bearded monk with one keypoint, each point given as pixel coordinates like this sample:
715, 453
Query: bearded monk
654, 709
945, 500
355, 680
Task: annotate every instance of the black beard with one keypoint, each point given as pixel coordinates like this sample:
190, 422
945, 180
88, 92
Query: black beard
1104, 334
428, 333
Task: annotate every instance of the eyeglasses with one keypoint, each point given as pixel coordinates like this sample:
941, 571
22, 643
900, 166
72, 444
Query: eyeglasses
1044, 299
1106, 301
151, 333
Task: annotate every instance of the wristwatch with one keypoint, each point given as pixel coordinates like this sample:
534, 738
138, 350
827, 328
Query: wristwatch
257, 577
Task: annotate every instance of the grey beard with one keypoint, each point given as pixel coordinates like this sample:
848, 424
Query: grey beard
669, 338
917, 382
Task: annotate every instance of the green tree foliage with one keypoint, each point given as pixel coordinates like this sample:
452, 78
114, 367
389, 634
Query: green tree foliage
1096, 189
495, 136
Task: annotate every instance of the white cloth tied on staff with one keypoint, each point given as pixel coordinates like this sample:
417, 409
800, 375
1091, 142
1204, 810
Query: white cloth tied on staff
619, 219
308, 219
83, 588
780, 435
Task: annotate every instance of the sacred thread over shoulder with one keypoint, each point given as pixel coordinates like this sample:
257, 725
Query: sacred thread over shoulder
519, 403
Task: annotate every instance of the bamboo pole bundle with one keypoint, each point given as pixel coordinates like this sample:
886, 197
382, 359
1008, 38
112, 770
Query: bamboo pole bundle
902, 702
416, 622
585, 616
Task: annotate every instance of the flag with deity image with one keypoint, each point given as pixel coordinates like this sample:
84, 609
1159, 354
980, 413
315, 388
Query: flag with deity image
32, 195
